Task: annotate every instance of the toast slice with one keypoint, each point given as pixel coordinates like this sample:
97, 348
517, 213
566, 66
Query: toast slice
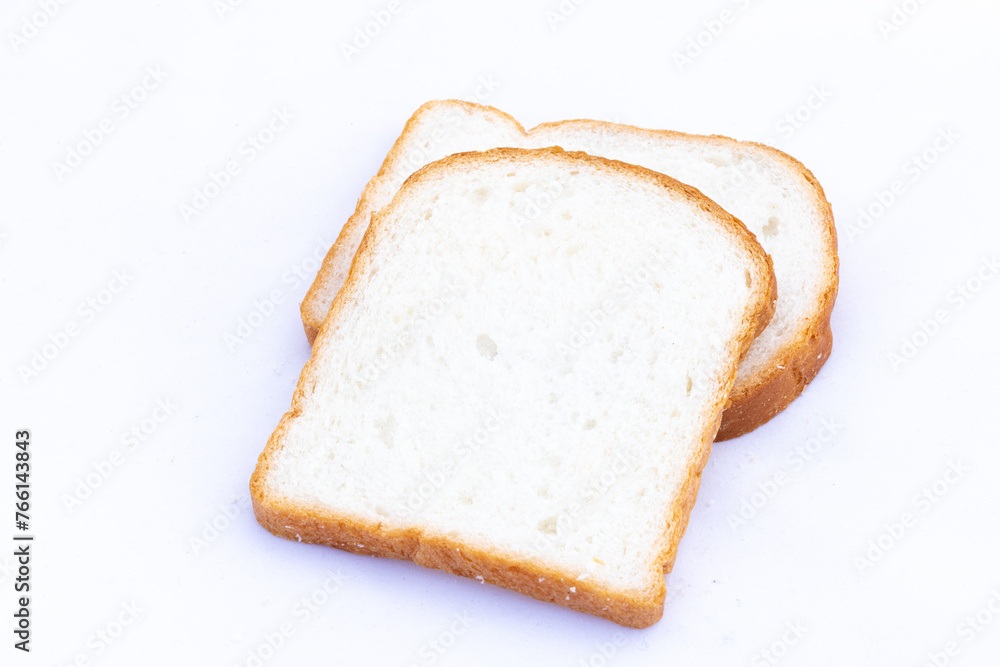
776, 197
523, 397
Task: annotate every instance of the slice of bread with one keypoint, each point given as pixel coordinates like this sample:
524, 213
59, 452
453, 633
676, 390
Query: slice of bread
776, 197
527, 400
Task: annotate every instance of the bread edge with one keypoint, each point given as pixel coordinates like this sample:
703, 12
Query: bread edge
754, 403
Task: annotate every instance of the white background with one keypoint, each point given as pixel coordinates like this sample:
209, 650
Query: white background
900, 426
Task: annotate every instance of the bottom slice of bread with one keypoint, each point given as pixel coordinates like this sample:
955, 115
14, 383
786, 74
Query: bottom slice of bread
525, 400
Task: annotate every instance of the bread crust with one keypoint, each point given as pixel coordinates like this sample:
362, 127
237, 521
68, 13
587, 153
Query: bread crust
756, 398
756, 401
321, 526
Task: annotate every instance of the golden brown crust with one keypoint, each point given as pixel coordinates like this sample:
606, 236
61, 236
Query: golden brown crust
321, 526
755, 399
768, 392
774, 392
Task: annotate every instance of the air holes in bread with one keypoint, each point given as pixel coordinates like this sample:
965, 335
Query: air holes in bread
386, 430
486, 346
549, 525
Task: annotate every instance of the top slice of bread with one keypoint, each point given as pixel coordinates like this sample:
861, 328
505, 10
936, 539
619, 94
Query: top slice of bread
776, 197
528, 402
